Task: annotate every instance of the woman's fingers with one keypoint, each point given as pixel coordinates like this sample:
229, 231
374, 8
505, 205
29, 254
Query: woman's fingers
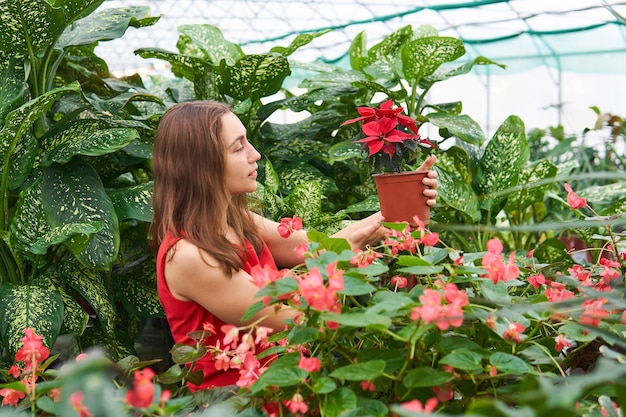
428, 163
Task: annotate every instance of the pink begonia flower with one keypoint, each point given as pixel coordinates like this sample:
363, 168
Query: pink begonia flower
399, 282
573, 200
309, 364
492, 262
142, 392
416, 405
536, 280
76, 401
11, 396
288, 225
514, 331
561, 342
296, 404
430, 239
315, 292
368, 386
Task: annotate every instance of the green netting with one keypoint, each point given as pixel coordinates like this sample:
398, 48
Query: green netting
574, 35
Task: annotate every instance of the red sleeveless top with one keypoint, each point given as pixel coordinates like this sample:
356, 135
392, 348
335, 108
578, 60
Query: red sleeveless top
188, 316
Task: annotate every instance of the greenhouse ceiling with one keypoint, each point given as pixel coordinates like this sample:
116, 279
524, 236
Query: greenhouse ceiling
586, 36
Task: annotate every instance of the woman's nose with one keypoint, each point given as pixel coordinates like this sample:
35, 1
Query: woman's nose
254, 154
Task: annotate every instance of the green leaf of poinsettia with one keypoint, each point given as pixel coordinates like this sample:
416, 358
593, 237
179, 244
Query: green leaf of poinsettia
74, 194
498, 169
23, 306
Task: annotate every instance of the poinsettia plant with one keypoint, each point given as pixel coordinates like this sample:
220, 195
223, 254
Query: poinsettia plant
390, 137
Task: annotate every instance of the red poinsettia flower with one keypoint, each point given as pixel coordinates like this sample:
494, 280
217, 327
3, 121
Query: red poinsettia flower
386, 133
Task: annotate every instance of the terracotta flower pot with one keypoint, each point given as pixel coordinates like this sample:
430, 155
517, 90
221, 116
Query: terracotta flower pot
401, 196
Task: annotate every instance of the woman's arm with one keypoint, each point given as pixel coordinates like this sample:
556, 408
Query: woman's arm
190, 278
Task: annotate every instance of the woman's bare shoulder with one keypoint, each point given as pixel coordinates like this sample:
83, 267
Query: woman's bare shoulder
189, 268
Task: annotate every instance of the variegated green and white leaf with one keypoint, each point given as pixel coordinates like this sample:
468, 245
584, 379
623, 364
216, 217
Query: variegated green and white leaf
23, 306
301, 40
306, 202
461, 126
76, 9
65, 232
423, 56
458, 195
498, 169
29, 26
135, 287
599, 194
117, 346
74, 194
208, 42
272, 181
29, 222
182, 65
75, 317
254, 76
89, 283
534, 180
20, 168
89, 138
133, 202
293, 175
387, 49
13, 78
105, 25
16, 126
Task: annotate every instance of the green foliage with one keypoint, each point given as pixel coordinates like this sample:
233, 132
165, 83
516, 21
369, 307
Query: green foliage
73, 159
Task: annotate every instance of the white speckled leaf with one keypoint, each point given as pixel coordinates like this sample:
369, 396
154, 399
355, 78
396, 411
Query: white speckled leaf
104, 25
533, 178
73, 193
306, 202
75, 317
90, 138
13, 75
89, 283
133, 202
208, 42
19, 121
498, 169
422, 57
254, 76
23, 306
29, 25
65, 232
29, 223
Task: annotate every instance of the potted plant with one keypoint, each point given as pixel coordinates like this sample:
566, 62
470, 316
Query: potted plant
393, 144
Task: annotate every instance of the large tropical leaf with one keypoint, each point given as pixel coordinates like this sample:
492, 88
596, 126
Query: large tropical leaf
10, 266
535, 182
105, 25
135, 288
133, 202
498, 169
29, 223
254, 76
15, 129
74, 194
13, 77
89, 283
423, 56
87, 137
207, 42
306, 202
460, 126
76, 9
75, 317
459, 195
29, 26
23, 306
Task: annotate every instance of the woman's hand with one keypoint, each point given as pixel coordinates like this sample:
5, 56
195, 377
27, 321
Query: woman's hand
430, 180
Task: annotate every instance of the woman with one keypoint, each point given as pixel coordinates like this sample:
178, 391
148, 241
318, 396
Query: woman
207, 238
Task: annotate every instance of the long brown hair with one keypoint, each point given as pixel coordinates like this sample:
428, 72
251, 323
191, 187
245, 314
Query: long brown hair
190, 196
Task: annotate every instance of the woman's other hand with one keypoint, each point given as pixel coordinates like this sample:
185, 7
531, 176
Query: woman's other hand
430, 180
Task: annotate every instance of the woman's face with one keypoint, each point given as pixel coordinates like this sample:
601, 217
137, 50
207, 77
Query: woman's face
241, 157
